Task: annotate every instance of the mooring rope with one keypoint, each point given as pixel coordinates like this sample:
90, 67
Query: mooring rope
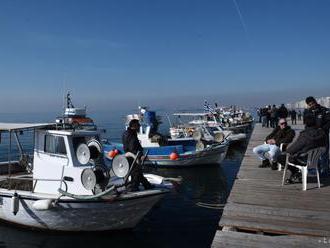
217, 206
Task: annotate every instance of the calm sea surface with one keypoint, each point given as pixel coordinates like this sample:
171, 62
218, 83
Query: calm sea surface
177, 221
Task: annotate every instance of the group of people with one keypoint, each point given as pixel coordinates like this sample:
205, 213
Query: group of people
316, 134
270, 115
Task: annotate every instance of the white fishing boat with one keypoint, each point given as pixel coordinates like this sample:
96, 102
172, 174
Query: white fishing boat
68, 187
202, 124
233, 119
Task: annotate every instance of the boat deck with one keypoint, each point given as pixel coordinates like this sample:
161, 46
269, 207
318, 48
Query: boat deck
261, 213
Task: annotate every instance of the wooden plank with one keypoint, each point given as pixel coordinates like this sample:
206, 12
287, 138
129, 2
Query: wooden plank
277, 220
245, 240
259, 203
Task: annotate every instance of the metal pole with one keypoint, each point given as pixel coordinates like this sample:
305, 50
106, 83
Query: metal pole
20, 148
9, 159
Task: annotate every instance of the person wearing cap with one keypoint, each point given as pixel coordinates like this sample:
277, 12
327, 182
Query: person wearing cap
281, 134
322, 118
132, 144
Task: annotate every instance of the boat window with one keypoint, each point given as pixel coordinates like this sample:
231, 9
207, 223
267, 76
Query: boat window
55, 144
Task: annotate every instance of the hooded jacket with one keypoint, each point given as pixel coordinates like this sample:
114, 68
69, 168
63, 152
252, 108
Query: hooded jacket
311, 137
131, 142
284, 135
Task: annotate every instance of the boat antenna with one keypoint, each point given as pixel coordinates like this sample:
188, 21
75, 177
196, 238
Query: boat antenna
169, 120
69, 103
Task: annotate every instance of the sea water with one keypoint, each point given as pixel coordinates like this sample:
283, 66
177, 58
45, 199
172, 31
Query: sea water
176, 221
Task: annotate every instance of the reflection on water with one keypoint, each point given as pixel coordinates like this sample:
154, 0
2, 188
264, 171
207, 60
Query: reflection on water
175, 222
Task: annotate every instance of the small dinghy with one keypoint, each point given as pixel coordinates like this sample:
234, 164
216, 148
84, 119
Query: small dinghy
69, 188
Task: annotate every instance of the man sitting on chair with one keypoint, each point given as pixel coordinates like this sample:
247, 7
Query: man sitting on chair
310, 138
281, 134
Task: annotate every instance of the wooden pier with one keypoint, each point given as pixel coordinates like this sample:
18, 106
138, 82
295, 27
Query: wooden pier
260, 212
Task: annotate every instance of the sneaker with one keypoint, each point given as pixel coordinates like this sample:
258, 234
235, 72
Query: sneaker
296, 178
265, 164
274, 166
289, 181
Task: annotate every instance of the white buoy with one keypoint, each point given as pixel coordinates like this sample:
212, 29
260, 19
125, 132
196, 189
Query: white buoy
43, 204
15, 203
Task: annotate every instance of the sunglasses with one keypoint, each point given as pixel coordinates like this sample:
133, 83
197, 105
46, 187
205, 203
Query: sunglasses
283, 123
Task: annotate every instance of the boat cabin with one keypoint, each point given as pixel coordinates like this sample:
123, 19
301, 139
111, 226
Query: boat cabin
61, 157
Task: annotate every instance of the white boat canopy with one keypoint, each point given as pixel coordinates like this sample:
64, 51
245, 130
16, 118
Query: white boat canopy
19, 126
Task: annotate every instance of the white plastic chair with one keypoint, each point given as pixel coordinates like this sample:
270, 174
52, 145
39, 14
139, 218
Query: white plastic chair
312, 162
283, 152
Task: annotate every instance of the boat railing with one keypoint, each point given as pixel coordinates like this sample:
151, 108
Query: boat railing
34, 180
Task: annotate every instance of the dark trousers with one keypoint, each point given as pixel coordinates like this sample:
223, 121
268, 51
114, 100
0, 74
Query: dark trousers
298, 161
137, 178
273, 122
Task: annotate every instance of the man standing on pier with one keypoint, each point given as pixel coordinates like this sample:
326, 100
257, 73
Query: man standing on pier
322, 116
281, 134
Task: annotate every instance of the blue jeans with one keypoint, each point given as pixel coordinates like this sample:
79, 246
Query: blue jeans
272, 150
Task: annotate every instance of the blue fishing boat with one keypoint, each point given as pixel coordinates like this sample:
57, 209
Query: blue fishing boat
163, 151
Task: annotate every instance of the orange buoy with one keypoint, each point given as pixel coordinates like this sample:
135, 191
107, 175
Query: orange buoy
112, 154
174, 156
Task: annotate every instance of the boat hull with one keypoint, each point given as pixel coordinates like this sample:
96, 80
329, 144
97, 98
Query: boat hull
207, 156
241, 128
73, 215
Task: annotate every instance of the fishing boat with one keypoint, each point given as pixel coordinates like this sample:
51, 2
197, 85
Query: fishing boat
75, 117
203, 124
168, 152
233, 119
64, 184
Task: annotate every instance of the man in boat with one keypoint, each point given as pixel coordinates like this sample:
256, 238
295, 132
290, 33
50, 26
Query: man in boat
132, 145
282, 134
311, 137
322, 118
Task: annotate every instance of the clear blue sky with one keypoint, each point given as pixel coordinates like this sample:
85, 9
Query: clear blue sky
171, 51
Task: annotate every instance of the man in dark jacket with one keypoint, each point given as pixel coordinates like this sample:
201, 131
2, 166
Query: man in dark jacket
132, 144
322, 118
293, 115
282, 111
310, 138
281, 134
